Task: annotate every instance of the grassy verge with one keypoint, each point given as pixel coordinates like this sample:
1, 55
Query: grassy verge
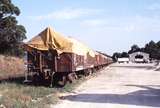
22, 96
18, 95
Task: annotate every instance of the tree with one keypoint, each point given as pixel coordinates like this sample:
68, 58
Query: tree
134, 48
153, 49
158, 45
124, 54
116, 55
11, 34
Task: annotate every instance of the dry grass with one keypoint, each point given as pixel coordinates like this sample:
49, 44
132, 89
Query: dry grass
23, 96
17, 95
11, 66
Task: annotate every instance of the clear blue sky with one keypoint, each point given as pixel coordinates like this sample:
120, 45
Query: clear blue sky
105, 25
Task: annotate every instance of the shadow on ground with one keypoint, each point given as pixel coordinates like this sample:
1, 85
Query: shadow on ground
147, 97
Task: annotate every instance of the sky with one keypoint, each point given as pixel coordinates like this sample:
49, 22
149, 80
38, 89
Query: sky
104, 25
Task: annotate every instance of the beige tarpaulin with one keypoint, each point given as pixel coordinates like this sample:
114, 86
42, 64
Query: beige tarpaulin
49, 39
79, 48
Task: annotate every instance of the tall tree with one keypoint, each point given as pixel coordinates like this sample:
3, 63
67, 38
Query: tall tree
11, 34
134, 48
124, 54
116, 55
158, 45
153, 49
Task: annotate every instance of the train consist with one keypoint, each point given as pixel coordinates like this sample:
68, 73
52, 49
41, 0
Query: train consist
53, 58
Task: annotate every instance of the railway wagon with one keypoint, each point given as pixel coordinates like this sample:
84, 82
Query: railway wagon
53, 58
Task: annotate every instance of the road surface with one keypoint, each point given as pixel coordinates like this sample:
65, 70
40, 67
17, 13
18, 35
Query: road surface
118, 86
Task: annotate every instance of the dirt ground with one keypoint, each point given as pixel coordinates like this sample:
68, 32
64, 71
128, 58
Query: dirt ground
117, 86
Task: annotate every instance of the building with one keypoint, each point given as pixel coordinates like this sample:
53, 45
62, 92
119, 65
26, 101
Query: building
139, 57
123, 60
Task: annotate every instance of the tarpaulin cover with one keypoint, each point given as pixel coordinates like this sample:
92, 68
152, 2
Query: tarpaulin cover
49, 39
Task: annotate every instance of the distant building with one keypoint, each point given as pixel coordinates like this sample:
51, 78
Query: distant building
139, 57
123, 60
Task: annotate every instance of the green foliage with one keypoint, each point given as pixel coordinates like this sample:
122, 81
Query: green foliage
18, 95
153, 49
119, 55
116, 55
11, 34
124, 54
134, 48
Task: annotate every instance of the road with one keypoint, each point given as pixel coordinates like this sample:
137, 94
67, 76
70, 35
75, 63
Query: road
117, 86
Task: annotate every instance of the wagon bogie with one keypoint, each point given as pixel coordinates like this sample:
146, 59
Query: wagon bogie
72, 77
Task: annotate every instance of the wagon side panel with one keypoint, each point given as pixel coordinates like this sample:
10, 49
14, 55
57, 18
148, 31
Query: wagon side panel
65, 62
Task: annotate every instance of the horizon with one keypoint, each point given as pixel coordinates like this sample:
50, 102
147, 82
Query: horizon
106, 26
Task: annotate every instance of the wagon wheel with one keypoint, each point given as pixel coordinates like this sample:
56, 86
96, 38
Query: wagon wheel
71, 77
63, 81
88, 72
93, 70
